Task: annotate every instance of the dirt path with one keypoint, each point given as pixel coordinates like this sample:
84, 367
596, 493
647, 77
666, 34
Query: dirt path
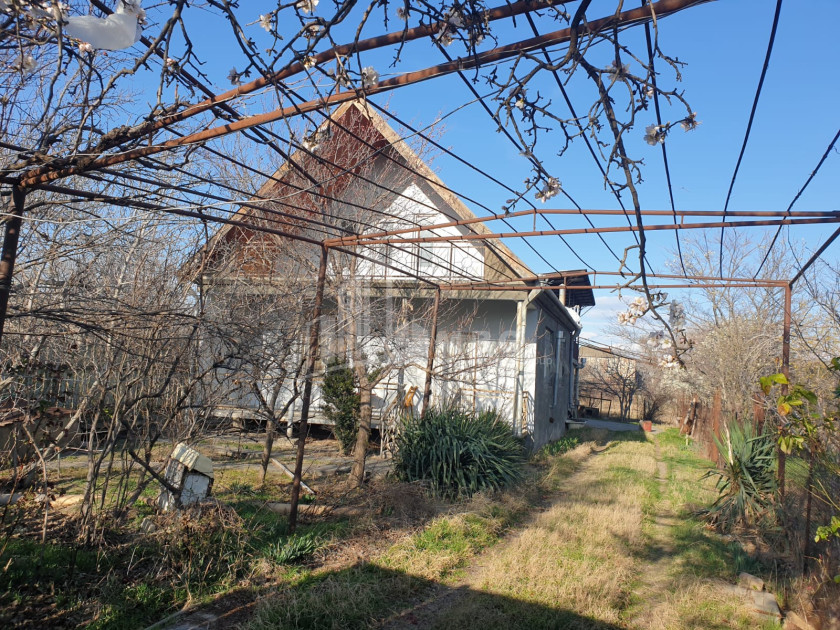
610, 551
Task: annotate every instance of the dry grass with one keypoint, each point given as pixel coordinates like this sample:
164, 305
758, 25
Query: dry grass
579, 555
614, 549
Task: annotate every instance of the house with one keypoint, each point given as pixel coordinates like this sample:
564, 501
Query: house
507, 348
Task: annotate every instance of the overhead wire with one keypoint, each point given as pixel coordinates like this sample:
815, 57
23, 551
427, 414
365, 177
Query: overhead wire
470, 165
796, 198
519, 148
662, 145
583, 135
749, 124
401, 164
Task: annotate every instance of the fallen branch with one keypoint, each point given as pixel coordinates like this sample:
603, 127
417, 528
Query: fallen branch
308, 509
291, 474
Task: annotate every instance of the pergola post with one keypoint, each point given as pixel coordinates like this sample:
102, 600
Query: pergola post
303, 429
786, 372
430, 363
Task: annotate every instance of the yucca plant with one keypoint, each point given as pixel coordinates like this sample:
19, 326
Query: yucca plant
746, 483
457, 452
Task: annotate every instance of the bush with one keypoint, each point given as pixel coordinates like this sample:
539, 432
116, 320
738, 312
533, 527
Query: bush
459, 453
747, 483
341, 402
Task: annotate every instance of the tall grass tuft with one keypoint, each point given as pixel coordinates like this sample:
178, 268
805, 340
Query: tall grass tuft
459, 453
746, 483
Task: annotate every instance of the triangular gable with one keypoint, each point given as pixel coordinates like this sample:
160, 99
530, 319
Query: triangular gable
357, 116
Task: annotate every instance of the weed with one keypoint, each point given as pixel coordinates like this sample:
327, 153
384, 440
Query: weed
294, 548
563, 445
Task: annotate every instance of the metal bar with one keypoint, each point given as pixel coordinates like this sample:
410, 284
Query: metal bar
303, 427
633, 228
430, 363
632, 16
816, 255
581, 273
372, 43
9, 255
592, 212
612, 287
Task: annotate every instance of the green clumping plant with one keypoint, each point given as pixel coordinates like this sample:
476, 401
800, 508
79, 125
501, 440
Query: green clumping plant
294, 548
458, 453
563, 445
341, 402
746, 482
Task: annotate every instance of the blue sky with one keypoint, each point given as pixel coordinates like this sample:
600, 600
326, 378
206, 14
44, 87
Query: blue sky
723, 45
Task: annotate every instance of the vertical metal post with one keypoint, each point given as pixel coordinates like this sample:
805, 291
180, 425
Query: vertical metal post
430, 364
786, 372
303, 429
518, 385
10, 246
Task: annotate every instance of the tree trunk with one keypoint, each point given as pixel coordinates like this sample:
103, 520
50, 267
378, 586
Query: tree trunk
357, 474
267, 445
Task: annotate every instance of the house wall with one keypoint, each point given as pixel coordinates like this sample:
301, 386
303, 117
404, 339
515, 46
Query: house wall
551, 338
460, 259
476, 364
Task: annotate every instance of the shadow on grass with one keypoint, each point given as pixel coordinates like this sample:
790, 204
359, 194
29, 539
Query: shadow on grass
372, 596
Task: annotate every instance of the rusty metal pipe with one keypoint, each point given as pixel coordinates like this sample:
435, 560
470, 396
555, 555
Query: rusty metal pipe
633, 16
573, 231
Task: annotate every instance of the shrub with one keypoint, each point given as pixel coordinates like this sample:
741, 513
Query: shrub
341, 402
459, 453
746, 484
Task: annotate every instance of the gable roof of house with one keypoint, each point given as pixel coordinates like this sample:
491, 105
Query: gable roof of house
354, 112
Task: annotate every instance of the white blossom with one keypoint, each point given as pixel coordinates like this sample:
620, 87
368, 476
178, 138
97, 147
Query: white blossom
309, 62
690, 122
84, 47
444, 37
311, 30
551, 188
122, 29
650, 92
307, 6
27, 64
370, 77
454, 18
669, 361
654, 134
312, 142
402, 13
265, 21
340, 75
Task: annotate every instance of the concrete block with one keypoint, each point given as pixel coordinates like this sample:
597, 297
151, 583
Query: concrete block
751, 582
